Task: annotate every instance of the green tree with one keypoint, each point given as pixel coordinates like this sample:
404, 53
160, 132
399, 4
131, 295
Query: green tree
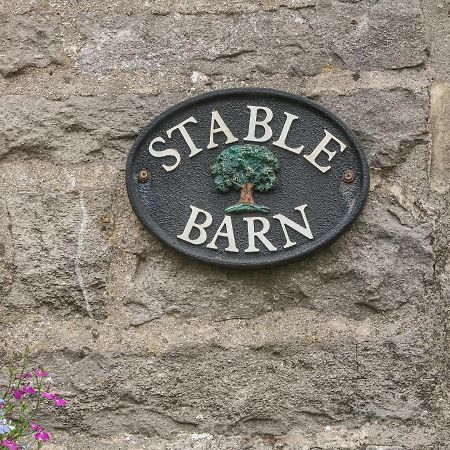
245, 168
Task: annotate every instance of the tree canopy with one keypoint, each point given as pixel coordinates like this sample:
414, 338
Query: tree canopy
241, 164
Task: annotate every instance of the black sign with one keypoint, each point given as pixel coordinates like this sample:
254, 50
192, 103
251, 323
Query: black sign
247, 177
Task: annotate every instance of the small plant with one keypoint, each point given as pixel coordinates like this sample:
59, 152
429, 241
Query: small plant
26, 392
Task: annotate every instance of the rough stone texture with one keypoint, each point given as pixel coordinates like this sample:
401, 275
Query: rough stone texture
345, 350
28, 41
440, 149
297, 41
437, 15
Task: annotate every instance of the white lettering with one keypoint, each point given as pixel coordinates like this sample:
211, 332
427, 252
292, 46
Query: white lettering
322, 147
284, 132
253, 123
305, 231
252, 234
162, 153
223, 128
200, 226
228, 233
185, 134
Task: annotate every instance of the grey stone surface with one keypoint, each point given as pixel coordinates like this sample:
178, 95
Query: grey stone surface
389, 35
28, 41
297, 42
437, 15
54, 264
345, 350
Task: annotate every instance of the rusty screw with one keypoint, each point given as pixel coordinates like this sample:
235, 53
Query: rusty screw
349, 176
143, 176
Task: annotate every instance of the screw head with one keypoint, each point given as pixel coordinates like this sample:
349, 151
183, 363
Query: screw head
143, 176
349, 176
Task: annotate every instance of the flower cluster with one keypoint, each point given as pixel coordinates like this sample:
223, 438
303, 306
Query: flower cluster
26, 391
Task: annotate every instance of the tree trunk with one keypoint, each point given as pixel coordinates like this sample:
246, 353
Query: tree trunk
247, 194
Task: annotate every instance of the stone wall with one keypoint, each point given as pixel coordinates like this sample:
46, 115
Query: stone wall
347, 349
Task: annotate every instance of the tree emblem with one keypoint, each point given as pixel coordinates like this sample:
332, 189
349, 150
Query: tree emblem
245, 168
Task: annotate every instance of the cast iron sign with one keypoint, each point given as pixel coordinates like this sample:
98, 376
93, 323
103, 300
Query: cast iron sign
247, 177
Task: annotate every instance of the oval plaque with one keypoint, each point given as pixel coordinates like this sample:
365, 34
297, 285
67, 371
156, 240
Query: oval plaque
247, 178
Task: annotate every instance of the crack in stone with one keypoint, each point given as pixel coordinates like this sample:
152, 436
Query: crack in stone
80, 242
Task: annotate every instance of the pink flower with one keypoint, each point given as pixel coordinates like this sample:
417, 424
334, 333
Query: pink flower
60, 402
41, 436
17, 393
28, 390
48, 395
24, 376
34, 426
40, 373
8, 443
